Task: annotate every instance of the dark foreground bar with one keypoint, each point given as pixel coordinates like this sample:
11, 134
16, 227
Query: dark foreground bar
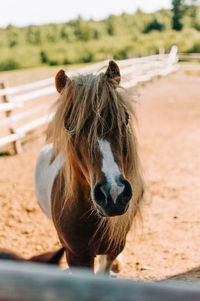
34, 282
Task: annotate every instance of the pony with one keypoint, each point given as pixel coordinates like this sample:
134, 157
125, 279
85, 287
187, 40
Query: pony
48, 257
87, 175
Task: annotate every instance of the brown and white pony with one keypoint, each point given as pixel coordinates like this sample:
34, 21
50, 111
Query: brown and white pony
87, 177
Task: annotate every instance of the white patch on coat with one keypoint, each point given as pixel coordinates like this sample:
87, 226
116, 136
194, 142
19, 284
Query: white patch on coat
104, 265
120, 260
110, 168
45, 174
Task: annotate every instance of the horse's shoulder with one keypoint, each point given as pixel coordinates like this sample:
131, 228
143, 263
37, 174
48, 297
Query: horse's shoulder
45, 174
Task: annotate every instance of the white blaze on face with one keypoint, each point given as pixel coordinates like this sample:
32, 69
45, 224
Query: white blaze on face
110, 169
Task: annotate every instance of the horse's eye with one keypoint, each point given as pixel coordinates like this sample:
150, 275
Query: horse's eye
126, 117
67, 124
68, 127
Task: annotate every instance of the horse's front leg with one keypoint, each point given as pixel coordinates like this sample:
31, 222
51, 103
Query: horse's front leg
83, 260
106, 263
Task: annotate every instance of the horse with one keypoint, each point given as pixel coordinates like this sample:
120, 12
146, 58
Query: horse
87, 176
47, 258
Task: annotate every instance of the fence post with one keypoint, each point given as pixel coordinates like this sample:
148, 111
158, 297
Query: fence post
6, 99
173, 58
161, 50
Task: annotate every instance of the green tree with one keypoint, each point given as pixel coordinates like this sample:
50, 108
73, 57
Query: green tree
192, 10
112, 25
33, 35
43, 56
154, 25
83, 31
177, 14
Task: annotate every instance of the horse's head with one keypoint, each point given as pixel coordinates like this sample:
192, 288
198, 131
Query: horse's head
100, 140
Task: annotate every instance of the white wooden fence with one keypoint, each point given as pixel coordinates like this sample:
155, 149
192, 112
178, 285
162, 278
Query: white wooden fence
26, 107
189, 56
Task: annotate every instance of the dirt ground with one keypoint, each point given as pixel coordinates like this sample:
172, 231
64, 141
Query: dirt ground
167, 242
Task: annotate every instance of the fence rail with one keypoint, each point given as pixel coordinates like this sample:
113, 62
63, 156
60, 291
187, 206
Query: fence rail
35, 282
189, 56
133, 71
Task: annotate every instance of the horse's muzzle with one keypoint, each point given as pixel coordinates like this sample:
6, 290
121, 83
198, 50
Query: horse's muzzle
112, 200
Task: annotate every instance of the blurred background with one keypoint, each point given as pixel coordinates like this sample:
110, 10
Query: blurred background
36, 33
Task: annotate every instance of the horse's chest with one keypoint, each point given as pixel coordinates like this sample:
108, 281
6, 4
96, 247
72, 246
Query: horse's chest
77, 232
82, 234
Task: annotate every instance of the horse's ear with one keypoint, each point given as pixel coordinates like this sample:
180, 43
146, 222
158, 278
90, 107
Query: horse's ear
61, 80
50, 257
113, 72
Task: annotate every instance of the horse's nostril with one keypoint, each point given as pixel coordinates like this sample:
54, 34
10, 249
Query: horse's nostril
127, 192
99, 196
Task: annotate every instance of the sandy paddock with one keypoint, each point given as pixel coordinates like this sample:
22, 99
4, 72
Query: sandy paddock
167, 242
